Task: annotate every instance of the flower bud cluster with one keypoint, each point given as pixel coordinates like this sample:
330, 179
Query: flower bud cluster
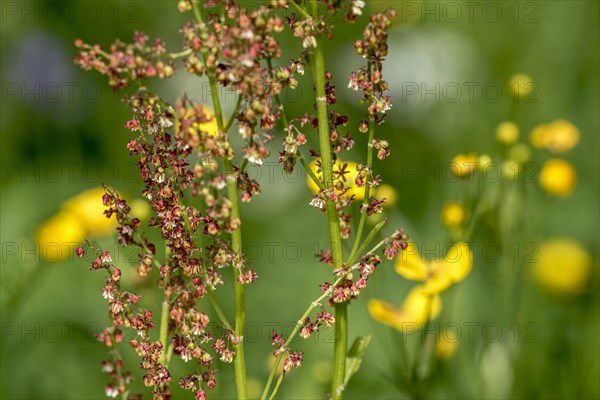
124, 63
374, 48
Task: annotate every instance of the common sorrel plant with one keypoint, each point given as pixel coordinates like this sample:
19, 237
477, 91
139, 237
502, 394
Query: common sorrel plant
185, 151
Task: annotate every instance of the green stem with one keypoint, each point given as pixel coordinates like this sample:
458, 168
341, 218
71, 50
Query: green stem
240, 291
286, 124
239, 362
416, 378
341, 312
183, 53
277, 385
300, 9
164, 325
312, 306
365, 204
218, 309
164, 317
340, 350
234, 114
368, 239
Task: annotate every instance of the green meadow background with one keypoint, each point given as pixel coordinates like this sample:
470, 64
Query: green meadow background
450, 62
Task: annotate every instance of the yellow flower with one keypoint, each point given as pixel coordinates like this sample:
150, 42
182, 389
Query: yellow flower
563, 266
87, 207
507, 133
344, 174
211, 128
558, 177
453, 215
80, 216
537, 137
558, 136
521, 86
463, 165
59, 236
413, 312
520, 153
439, 274
387, 192
446, 347
483, 161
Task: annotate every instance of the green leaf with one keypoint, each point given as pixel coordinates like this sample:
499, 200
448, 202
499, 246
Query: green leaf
355, 356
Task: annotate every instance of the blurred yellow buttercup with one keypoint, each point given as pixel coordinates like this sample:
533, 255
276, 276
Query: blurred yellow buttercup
438, 274
521, 86
558, 136
563, 266
88, 208
507, 133
558, 177
463, 165
59, 236
80, 216
453, 215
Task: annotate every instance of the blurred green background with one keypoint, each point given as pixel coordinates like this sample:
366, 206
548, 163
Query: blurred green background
62, 132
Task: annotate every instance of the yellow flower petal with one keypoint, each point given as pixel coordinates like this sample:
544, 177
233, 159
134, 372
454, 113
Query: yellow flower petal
438, 282
211, 128
419, 304
59, 236
410, 265
414, 311
384, 312
458, 262
87, 207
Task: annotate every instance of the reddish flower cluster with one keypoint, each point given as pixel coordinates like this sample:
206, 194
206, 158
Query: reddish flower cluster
180, 151
374, 48
123, 313
124, 63
293, 358
231, 46
324, 318
397, 242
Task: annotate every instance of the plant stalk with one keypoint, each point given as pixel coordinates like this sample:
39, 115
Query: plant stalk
239, 361
363, 213
341, 309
